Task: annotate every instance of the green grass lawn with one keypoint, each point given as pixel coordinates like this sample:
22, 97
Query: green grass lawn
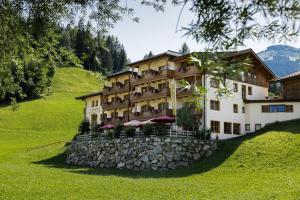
263, 166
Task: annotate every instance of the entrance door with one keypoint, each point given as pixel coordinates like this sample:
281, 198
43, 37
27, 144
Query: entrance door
243, 91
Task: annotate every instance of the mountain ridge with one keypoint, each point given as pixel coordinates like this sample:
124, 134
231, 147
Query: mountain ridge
281, 59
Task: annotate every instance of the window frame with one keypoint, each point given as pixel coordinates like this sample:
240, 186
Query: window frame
247, 127
215, 124
215, 105
256, 126
233, 128
225, 132
235, 87
235, 108
250, 90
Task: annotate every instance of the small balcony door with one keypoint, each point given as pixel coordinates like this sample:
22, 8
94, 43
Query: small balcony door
243, 92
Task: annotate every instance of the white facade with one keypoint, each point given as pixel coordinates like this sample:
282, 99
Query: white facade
93, 108
252, 117
256, 116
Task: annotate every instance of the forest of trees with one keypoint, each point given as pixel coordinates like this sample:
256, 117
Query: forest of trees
96, 52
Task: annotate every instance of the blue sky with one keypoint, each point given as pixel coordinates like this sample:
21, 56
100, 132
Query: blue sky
156, 31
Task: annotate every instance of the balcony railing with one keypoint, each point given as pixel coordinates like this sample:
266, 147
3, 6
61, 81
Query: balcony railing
187, 71
115, 120
184, 92
115, 88
150, 114
151, 93
115, 104
152, 75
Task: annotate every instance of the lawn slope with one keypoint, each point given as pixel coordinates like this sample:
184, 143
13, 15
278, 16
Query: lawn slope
265, 165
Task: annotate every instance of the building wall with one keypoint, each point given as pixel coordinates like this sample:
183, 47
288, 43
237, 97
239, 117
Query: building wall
226, 114
96, 110
292, 88
256, 116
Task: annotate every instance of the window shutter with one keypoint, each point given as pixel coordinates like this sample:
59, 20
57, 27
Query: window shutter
289, 108
265, 108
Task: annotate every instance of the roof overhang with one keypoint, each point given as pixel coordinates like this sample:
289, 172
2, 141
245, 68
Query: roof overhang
83, 97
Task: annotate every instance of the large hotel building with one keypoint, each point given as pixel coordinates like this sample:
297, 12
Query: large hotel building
143, 93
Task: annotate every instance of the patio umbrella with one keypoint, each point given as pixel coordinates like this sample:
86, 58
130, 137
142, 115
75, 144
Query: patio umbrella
164, 119
147, 122
107, 126
132, 123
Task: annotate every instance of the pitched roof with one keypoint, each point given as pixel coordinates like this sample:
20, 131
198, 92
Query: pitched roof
169, 53
125, 71
88, 95
235, 53
292, 75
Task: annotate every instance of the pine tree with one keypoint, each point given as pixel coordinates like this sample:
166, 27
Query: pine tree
149, 55
184, 49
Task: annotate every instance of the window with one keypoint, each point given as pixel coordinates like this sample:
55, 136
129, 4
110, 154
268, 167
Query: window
235, 108
257, 127
227, 128
96, 103
235, 87
277, 108
214, 83
249, 90
93, 104
236, 128
215, 126
163, 106
243, 109
247, 127
214, 105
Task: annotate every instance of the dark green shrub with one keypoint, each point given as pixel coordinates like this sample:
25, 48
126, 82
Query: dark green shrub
161, 129
130, 132
203, 134
208, 134
148, 129
84, 127
110, 134
118, 130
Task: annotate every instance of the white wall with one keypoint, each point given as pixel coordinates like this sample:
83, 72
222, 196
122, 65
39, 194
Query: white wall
93, 110
256, 116
226, 114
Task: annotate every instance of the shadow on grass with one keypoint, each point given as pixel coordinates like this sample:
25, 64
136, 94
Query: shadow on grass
225, 150
7, 103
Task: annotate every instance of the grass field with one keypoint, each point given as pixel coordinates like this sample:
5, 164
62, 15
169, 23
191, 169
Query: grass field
263, 166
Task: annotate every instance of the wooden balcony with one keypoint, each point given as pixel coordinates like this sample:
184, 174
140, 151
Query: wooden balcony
184, 92
150, 114
115, 121
115, 104
187, 71
116, 88
152, 75
150, 94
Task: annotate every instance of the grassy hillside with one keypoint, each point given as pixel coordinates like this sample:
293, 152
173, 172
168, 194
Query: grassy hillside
263, 166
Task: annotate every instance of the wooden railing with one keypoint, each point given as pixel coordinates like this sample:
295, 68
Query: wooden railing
116, 88
150, 94
152, 75
150, 114
187, 71
115, 104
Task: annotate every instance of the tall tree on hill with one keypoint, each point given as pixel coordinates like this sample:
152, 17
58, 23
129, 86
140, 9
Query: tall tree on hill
149, 55
184, 49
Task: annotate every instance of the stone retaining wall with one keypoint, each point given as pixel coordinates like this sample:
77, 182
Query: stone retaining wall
155, 153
